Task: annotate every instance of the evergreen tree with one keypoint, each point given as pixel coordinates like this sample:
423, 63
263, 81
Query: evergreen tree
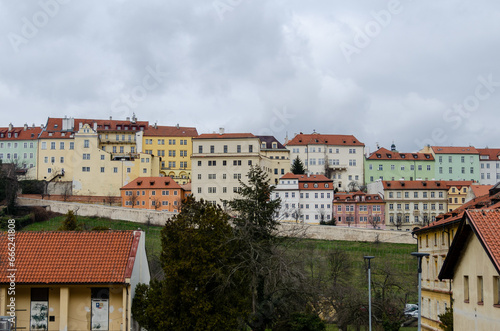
298, 167
197, 292
69, 223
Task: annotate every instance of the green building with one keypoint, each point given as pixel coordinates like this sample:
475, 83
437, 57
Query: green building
455, 163
387, 164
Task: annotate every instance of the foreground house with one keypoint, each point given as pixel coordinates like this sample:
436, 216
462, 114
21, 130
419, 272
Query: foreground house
473, 263
73, 280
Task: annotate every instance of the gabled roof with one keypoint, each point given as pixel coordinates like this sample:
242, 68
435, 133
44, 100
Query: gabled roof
324, 139
385, 154
225, 136
454, 150
144, 183
485, 225
71, 257
269, 140
480, 190
23, 133
170, 131
492, 154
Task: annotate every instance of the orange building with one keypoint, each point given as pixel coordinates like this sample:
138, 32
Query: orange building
157, 193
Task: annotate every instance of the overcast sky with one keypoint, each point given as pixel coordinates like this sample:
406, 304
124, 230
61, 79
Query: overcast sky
416, 72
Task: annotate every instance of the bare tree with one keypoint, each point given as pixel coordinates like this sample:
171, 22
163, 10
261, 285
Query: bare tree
374, 221
399, 222
297, 214
349, 220
156, 203
66, 193
132, 198
110, 198
353, 186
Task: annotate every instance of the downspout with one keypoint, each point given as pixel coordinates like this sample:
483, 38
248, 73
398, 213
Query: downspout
449, 281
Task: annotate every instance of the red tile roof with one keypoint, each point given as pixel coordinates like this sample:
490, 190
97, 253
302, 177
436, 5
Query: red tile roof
31, 133
491, 153
486, 224
414, 185
480, 190
71, 257
324, 139
225, 136
385, 154
152, 183
54, 126
351, 197
454, 150
170, 131
306, 178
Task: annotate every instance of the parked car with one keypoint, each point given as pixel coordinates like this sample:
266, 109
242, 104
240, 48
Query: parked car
411, 310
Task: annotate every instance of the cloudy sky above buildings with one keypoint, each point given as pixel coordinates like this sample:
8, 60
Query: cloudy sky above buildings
413, 72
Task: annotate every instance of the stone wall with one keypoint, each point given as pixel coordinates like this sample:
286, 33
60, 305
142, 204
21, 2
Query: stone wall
116, 213
324, 232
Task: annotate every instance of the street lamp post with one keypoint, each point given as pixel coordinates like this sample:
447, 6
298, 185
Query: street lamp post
419, 256
369, 291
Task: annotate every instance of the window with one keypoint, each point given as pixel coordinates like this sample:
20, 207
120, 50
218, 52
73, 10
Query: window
102, 170
115, 170
86, 143
250, 148
480, 298
225, 148
71, 145
352, 163
86, 169
61, 159
238, 149
53, 145
466, 289
380, 167
496, 290
86, 156
61, 145
212, 149
200, 149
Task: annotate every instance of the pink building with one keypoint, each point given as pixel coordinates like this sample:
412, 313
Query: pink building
358, 209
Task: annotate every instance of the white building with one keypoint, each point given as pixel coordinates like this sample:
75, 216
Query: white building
489, 163
220, 160
338, 157
304, 198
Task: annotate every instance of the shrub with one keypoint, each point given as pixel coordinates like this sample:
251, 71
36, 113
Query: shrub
31, 186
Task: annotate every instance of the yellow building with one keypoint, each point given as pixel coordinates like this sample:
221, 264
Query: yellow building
97, 156
173, 144
473, 263
72, 280
457, 193
436, 239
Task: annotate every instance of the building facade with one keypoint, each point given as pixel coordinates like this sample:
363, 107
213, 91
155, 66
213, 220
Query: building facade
18, 145
360, 210
221, 160
156, 193
387, 164
411, 204
173, 144
94, 289
457, 193
455, 163
338, 157
489, 161
304, 198
278, 156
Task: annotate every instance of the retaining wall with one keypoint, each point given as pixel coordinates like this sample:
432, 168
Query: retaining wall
324, 232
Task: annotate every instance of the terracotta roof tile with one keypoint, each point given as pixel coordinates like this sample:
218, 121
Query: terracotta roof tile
385, 154
345, 196
69, 257
152, 183
31, 133
324, 139
415, 185
486, 224
480, 190
225, 136
170, 131
493, 154
454, 150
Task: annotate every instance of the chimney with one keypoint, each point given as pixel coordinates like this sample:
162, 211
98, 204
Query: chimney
111, 118
33, 125
10, 126
221, 131
127, 118
41, 125
156, 125
25, 126
80, 126
177, 126
95, 126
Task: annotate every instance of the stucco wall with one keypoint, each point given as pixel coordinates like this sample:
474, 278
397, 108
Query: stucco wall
327, 232
159, 218
116, 213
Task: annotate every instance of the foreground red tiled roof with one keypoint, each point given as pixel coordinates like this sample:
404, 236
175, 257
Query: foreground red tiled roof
152, 183
324, 139
30, 133
492, 154
385, 154
454, 150
71, 257
486, 224
225, 136
170, 131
